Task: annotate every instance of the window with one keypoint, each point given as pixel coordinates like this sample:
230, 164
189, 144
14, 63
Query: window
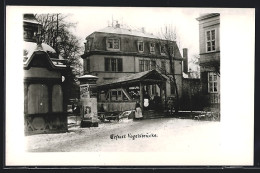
144, 65
28, 34
163, 66
141, 65
162, 49
140, 45
212, 82
153, 64
57, 99
88, 45
37, 99
152, 47
86, 65
113, 44
210, 40
113, 64
116, 95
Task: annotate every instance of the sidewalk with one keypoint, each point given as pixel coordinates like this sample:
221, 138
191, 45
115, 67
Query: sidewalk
163, 114
150, 114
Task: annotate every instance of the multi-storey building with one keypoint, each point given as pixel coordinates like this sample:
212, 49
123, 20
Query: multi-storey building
114, 52
209, 39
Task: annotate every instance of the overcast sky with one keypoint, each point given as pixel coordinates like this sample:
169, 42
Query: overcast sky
152, 19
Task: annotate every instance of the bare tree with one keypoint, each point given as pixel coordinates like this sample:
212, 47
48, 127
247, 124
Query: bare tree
169, 39
57, 32
195, 70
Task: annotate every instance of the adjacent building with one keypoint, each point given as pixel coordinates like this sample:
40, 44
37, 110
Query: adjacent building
209, 43
44, 74
115, 52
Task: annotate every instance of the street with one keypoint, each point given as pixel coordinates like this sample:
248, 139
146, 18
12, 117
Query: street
151, 135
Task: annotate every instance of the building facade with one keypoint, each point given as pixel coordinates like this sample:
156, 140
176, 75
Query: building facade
114, 52
209, 42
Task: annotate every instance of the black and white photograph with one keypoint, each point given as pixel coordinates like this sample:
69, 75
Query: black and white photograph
129, 86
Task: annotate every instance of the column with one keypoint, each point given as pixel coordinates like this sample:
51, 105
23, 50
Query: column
141, 96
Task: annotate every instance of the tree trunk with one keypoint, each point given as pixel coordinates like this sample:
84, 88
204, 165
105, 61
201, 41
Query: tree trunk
176, 108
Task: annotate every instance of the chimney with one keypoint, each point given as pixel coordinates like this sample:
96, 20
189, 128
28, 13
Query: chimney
143, 30
185, 60
117, 24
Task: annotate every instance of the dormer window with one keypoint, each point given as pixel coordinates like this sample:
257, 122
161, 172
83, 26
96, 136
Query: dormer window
113, 44
162, 49
140, 45
152, 47
88, 44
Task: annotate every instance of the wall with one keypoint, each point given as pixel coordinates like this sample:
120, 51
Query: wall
97, 63
191, 96
205, 25
209, 60
117, 106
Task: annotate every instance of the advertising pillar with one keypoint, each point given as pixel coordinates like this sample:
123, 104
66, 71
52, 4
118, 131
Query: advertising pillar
88, 100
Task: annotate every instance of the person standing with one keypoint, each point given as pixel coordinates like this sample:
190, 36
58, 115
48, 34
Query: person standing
157, 102
138, 111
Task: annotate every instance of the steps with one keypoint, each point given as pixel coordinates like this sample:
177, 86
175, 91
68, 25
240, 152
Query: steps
151, 114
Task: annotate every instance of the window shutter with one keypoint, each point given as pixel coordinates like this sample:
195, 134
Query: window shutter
107, 62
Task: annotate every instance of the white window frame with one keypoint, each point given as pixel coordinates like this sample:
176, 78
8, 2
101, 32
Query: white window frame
163, 63
152, 48
145, 63
115, 64
113, 44
151, 64
139, 43
210, 40
213, 81
161, 48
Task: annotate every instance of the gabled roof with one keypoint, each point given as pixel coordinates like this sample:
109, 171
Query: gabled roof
151, 76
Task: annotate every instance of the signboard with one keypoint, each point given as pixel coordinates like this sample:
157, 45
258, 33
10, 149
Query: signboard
88, 91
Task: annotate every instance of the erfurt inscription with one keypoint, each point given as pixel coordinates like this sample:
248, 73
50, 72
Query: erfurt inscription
133, 136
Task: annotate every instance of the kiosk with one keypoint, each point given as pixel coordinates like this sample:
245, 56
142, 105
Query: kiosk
44, 75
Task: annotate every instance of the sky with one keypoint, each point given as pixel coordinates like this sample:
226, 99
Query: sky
92, 19
153, 19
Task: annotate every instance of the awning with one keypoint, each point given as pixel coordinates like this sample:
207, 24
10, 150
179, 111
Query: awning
147, 77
